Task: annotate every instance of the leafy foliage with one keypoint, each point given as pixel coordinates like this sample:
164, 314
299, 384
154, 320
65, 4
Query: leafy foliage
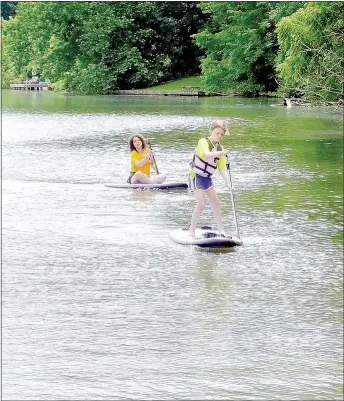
241, 45
244, 47
97, 47
312, 50
8, 9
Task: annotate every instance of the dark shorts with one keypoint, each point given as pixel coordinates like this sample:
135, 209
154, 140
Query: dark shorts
129, 179
200, 182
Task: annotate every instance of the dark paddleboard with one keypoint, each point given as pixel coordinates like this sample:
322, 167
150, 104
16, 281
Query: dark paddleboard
164, 185
204, 237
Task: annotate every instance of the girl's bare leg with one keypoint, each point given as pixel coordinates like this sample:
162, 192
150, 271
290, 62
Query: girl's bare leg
159, 178
200, 203
140, 178
215, 204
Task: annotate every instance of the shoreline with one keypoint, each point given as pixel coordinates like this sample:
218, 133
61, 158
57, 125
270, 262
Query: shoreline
285, 102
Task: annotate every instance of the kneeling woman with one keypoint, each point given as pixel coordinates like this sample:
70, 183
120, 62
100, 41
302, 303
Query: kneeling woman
142, 159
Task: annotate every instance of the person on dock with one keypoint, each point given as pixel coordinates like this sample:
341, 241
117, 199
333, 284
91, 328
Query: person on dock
142, 160
209, 157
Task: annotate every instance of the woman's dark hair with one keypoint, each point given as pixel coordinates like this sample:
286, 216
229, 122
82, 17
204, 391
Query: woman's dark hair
141, 138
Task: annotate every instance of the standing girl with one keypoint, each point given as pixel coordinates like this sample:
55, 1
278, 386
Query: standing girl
209, 156
141, 162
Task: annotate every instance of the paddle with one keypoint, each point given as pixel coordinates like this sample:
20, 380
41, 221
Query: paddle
154, 162
229, 183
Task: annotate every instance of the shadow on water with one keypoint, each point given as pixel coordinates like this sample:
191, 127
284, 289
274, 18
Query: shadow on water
217, 250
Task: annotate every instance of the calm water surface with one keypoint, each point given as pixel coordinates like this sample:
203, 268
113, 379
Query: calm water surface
99, 304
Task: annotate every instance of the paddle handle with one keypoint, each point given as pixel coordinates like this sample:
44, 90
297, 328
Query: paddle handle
154, 162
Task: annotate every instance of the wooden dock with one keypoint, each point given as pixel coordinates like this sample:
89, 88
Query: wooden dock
30, 86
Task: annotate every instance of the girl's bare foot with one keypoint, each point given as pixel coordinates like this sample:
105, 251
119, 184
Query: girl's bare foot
191, 233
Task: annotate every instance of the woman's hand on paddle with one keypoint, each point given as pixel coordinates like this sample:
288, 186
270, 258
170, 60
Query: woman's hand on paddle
150, 155
224, 152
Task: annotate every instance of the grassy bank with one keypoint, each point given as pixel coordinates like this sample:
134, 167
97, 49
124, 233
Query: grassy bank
178, 85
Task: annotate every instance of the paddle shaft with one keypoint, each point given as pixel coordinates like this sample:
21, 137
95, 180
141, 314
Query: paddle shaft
230, 186
154, 162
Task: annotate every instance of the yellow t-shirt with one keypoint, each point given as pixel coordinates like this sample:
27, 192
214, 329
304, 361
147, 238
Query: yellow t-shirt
202, 148
136, 157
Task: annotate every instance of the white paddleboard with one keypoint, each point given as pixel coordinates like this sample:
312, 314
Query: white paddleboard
204, 237
164, 185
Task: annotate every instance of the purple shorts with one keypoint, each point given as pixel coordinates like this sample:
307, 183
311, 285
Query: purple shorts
200, 182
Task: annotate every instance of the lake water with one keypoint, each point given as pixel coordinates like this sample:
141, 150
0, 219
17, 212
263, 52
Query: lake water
99, 304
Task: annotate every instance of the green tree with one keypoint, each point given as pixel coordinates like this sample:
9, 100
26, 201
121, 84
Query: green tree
241, 45
8, 9
15, 55
160, 38
312, 50
97, 47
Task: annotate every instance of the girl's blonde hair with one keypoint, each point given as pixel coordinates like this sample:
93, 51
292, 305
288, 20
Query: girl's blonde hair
218, 124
